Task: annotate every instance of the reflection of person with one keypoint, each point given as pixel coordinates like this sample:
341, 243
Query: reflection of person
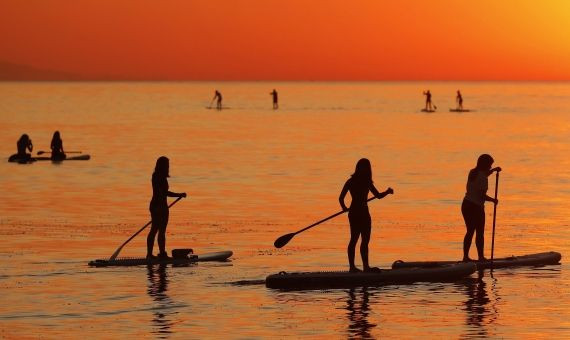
275, 99
157, 287
23, 144
159, 207
428, 100
459, 100
359, 184
473, 208
478, 306
56, 146
358, 307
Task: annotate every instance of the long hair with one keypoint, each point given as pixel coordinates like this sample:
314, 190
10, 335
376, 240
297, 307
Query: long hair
56, 137
363, 172
483, 163
162, 167
24, 139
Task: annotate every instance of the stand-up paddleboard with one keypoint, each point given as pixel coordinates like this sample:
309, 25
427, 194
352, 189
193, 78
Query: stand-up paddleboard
15, 159
539, 259
176, 261
460, 110
426, 110
323, 280
215, 108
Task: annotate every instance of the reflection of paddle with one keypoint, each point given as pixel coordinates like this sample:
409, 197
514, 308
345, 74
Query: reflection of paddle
116, 253
494, 218
211, 102
42, 152
283, 240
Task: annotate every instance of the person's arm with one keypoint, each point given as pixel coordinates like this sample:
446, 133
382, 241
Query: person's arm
175, 194
491, 199
497, 169
30, 146
342, 196
378, 194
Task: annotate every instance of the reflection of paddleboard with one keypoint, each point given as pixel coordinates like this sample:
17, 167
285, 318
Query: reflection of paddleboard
215, 108
425, 110
459, 110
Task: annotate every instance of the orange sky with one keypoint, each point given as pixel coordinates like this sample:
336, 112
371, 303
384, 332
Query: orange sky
290, 39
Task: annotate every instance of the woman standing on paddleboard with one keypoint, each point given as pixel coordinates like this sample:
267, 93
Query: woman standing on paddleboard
359, 184
159, 207
473, 206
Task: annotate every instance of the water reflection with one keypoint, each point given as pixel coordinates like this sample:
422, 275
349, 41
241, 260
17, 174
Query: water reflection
358, 307
480, 306
157, 287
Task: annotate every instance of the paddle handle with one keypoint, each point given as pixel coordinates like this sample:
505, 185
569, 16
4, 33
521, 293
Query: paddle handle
328, 218
116, 253
494, 218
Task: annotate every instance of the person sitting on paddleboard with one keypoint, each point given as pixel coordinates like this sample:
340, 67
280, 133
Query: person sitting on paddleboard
428, 101
473, 208
23, 144
56, 146
359, 184
159, 207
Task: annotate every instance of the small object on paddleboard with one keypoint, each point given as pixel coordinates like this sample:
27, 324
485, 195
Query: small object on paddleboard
539, 259
181, 253
426, 110
460, 110
344, 279
176, 261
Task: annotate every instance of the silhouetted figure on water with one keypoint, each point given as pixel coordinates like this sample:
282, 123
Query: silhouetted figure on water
218, 98
57, 153
473, 206
23, 145
428, 101
359, 184
159, 207
275, 99
459, 100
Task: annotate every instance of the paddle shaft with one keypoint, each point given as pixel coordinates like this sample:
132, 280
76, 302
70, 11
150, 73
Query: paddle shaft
328, 218
494, 218
42, 152
116, 253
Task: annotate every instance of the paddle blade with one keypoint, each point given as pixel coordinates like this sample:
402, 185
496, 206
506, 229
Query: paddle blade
283, 240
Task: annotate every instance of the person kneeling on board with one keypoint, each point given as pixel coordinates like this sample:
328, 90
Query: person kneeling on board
23, 144
57, 153
359, 184
159, 207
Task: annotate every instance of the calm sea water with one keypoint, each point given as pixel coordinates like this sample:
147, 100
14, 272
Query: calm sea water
253, 174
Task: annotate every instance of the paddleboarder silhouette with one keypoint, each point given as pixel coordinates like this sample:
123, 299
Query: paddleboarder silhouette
23, 145
57, 153
428, 101
275, 99
218, 98
359, 184
159, 208
473, 206
459, 100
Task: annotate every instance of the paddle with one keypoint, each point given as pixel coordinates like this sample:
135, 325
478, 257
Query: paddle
494, 219
116, 253
283, 240
42, 152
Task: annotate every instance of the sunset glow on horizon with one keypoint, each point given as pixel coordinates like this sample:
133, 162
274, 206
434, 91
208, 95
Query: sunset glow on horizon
290, 40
